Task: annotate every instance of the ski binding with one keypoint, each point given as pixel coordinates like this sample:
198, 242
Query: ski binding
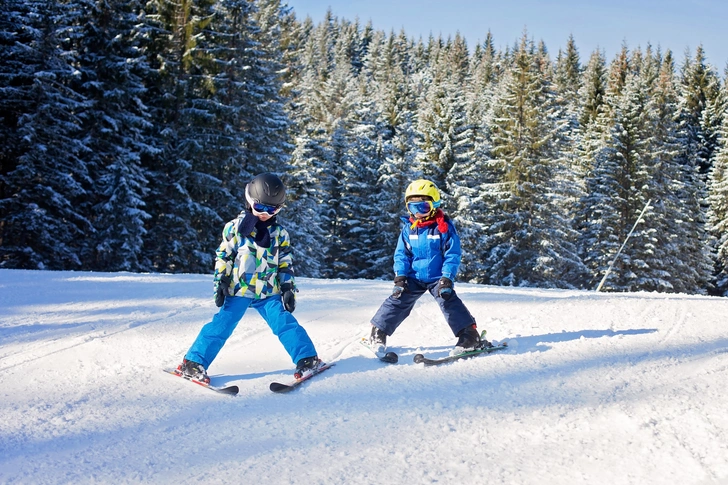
421, 359
388, 357
229, 390
279, 387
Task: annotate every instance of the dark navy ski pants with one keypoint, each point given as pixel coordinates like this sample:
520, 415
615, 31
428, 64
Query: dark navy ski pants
394, 310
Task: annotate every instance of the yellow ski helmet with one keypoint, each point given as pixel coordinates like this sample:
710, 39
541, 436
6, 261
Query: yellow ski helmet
425, 188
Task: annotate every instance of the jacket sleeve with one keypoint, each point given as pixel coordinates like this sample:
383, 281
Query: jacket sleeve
403, 254
226, 252
285, 260
451, 253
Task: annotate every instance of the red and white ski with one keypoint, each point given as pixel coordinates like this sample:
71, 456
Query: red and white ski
229, 390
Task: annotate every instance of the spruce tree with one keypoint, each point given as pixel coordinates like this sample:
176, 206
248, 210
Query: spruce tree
173, 243
114, 125
530, 241
699, 89
719, 209
46, 184
445, 134
677, 215
617, 186
386, 66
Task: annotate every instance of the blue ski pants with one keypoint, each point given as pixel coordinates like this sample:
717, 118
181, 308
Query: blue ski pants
394, 310
283, 324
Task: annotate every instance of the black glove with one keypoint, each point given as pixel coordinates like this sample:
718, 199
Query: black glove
400, 286
288, 296
223, 290
444, 291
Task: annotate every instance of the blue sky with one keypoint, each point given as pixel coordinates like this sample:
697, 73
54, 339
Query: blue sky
606, 25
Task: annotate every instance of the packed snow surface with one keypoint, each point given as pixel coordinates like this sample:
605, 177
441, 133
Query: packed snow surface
595, 388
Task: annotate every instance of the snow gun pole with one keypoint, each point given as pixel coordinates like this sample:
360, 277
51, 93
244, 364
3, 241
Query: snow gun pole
609, 270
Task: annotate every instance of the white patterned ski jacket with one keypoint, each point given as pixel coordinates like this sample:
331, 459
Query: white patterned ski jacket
255, 272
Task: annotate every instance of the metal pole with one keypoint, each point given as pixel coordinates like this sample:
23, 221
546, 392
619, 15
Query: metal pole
609, 269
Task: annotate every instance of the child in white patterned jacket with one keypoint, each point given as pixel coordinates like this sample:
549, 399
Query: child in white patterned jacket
254, 267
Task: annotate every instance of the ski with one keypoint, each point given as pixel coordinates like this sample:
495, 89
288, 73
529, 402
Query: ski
229, 390
388, 357
279, 387
421, 359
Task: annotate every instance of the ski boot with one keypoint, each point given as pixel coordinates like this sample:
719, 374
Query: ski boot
193, 370
378, 340
307, 366
468, 341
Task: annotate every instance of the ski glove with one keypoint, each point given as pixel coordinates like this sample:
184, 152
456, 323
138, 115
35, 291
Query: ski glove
289, 298
400, 286
444, 290
223, 290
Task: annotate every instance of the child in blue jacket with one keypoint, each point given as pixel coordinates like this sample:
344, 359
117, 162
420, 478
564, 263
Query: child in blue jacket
254, 268
427, 258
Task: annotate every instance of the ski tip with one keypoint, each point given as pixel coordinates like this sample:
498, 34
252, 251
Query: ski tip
419, 358
390, 358
230, 390
278, 387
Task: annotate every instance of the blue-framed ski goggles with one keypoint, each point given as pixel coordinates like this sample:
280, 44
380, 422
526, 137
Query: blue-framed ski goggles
421, 207
268, 209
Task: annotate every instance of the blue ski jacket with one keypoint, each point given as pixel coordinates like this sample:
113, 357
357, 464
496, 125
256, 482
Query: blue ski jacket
426, 254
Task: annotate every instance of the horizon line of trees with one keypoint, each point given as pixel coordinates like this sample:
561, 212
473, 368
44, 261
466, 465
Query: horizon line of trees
129, 129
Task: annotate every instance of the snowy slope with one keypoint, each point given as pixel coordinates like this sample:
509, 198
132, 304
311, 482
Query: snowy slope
596, 388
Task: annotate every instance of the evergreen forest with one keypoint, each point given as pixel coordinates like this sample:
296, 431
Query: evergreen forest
129, 128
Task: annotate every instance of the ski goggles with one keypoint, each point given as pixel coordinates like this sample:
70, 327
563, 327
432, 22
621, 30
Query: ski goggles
421, 207
268, 209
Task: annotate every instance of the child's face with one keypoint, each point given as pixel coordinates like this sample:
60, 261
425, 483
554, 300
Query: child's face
263, 216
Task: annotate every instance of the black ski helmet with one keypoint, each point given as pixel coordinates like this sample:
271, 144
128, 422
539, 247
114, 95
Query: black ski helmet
267, 189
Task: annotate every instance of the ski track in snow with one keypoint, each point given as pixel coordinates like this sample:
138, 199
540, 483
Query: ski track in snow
594, 389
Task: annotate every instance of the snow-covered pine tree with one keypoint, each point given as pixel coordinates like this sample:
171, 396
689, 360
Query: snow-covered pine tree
115, 124
265, 121
698, 94
593, 89
304, 218
567, 83
530, 241
303, 215
308, 216
175, 82
362, 197
18, 63
568, 75
617, 187
598, 220
567, 86
719, 209
384, 68
323, 109
223, 121
444, 133
677, 214
353, 161
699, 89
468, 179
46, 184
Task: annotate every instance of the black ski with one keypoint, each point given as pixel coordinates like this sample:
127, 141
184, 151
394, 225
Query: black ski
229, 390
388, 357
421, 359
280, 387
